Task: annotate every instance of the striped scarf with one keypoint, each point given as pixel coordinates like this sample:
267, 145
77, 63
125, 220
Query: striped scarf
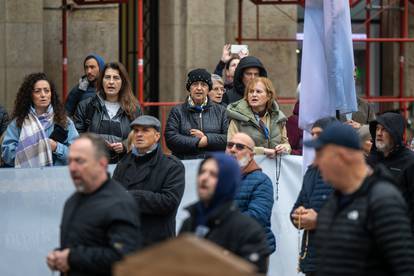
33, 148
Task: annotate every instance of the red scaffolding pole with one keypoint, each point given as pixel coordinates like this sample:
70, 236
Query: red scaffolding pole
64, 50
140, 59
65, 7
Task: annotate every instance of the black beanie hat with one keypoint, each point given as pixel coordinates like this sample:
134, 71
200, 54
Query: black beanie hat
199, 75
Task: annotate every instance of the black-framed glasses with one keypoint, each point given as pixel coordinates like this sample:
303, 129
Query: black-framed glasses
239, 146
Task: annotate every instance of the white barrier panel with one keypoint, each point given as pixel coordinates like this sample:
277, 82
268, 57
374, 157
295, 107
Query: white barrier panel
31, 202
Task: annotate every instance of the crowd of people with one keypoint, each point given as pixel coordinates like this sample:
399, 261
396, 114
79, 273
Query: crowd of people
356, 203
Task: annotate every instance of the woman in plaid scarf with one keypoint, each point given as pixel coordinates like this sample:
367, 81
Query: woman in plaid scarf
40, 133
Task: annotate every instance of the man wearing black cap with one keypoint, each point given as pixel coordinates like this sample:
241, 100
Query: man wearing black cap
363, 229
249, 68
86, 87
154, 179
388, 146
197, 126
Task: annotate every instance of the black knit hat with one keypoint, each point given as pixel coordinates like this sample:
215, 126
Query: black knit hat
199, 75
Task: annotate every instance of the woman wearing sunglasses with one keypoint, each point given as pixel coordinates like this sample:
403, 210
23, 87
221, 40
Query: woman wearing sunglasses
258, 115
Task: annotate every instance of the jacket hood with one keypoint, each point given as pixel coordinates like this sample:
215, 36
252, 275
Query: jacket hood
394, 123
246, 62
241, 111
229, 179
98, 58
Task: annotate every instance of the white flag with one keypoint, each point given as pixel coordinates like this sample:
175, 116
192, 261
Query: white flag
327, 82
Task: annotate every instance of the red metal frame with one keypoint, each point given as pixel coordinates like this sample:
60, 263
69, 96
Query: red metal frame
140, 86
98, 2
65, 8
64, 50
401, 99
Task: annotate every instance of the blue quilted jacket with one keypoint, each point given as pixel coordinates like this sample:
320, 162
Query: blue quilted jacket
255, 199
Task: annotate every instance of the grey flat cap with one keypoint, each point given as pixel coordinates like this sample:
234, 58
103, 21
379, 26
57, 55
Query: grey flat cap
146, 120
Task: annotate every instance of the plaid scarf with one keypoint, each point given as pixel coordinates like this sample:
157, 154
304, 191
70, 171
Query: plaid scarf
33, 148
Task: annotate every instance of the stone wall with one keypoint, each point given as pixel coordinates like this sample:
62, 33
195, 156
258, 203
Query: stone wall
90, 29
21, 45
30, 41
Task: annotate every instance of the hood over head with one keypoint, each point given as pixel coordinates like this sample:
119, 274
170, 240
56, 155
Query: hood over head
246, 62
394, 123
229, 178
98, 58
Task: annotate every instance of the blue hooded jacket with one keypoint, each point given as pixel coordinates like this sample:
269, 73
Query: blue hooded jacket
228, 183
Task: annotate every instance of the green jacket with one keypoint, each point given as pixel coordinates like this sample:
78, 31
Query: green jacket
243, 119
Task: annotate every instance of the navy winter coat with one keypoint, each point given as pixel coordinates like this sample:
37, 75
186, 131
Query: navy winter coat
314, 194
255, 199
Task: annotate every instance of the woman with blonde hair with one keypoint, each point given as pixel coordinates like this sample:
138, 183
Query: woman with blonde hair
259, 116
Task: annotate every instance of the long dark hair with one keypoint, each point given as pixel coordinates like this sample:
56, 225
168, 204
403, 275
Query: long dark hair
126, 98
24, 100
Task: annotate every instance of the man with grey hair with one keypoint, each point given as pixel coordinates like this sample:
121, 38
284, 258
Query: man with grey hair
388, 146
154, 179
99, 223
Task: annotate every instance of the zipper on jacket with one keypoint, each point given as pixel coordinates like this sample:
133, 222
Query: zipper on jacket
201, 121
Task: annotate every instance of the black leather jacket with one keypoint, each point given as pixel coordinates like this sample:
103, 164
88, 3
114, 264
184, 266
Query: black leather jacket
91, 116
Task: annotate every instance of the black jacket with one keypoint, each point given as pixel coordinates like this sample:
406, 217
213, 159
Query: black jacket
92, 116
156, 181
365, 233
232, 230
212, 121
400, 157
237, 92
82, 91
99, 229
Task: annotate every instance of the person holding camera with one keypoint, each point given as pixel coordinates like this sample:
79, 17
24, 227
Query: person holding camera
230, 58
40, 132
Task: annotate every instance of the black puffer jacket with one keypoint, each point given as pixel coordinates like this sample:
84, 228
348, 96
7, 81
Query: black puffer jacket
234, 231
91, 116
99, 229
212, 121
366, 233
400, 157
156, 181
237, 92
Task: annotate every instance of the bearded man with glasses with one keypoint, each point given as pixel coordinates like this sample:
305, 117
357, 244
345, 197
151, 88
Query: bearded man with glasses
255, 196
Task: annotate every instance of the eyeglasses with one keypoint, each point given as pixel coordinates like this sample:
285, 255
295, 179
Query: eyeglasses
239, 146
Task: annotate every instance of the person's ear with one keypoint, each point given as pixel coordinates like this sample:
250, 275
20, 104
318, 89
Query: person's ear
157, 136
103, 162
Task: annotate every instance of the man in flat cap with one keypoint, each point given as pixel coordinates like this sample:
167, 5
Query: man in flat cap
154, 179
363, 229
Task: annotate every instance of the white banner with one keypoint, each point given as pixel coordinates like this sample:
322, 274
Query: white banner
31, 202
